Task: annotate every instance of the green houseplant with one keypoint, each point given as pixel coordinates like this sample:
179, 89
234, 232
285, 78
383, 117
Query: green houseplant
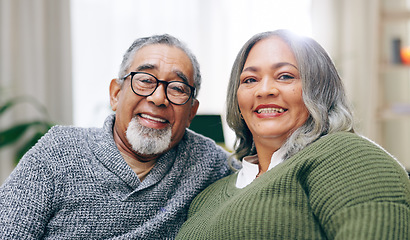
24, 135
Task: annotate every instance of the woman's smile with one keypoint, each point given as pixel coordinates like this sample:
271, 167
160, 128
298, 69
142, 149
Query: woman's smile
270, 92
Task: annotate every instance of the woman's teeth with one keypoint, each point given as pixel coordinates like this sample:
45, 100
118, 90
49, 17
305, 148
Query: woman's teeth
271, 110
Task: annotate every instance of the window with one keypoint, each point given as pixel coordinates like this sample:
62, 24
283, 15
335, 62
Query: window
214, 30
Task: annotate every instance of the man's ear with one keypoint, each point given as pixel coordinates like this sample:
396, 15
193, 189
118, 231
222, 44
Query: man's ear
194, 109
115, 89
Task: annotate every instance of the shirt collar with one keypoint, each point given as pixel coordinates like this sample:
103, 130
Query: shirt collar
250, 167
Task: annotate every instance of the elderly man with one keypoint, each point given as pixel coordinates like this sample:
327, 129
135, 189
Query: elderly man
132, 179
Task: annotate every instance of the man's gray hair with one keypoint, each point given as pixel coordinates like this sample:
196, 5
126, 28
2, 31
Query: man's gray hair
322, 90
159, 39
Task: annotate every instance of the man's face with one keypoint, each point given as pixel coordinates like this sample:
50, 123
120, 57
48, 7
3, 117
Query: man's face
154, 113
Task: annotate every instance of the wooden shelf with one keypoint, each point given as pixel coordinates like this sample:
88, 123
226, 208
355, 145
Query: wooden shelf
396, 15
389, 114
393, 116
385, 67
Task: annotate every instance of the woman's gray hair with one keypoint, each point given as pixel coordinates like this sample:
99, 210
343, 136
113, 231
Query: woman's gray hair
322, 91
166, 39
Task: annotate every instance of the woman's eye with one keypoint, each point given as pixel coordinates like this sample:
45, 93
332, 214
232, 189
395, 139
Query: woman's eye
249, 80
285, 77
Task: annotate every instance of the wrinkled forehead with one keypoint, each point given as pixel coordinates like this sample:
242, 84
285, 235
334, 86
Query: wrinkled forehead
163, 60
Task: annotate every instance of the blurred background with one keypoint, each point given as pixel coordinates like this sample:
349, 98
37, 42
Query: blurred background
57, 58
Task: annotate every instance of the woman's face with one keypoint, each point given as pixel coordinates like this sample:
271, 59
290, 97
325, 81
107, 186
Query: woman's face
270, 93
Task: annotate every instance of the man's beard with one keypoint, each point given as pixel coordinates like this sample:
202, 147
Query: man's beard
148, 141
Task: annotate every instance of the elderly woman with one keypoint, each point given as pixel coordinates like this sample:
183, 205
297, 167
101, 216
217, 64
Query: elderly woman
306, 174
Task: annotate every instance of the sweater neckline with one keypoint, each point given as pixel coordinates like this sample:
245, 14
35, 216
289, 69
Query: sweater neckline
230, 185
106, 151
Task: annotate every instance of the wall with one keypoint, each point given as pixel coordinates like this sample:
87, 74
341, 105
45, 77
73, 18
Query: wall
35, 61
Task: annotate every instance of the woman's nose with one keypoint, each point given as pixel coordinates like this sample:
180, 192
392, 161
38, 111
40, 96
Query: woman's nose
267, 87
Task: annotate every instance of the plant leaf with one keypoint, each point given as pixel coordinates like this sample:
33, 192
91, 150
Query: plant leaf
6, 106
13, 134
22, 99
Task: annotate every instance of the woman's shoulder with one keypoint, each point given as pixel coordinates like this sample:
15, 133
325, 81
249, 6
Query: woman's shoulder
345, 138
343, 170
349, 160
348, 143
344, 156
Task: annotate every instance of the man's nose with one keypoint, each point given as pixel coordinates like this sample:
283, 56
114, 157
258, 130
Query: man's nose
158, 97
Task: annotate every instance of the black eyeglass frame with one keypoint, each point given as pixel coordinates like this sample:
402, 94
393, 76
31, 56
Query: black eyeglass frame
132, 74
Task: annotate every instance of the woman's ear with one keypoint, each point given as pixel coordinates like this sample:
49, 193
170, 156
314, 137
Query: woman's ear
115, 89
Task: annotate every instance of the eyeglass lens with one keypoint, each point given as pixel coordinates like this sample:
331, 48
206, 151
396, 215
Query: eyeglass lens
177, 92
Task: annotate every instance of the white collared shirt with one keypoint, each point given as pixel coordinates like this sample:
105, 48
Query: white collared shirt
250, 167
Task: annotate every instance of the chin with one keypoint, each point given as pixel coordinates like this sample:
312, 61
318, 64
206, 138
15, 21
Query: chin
148, 141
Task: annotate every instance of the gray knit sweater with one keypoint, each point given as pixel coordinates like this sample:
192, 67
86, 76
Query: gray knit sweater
74, 183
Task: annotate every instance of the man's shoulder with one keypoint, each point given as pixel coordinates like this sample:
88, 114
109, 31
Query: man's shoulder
199, 158
202, 145
70, 132
67, 129
61, 138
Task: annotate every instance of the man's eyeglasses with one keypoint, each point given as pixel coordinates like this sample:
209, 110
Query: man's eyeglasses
144, 84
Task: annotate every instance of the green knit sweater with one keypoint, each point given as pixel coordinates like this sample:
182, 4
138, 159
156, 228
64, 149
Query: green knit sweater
340, 187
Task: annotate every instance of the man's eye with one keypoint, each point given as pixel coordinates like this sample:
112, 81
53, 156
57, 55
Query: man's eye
147, 80
179, 89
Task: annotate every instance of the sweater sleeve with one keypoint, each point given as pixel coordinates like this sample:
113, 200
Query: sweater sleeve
358, 191
26, 196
